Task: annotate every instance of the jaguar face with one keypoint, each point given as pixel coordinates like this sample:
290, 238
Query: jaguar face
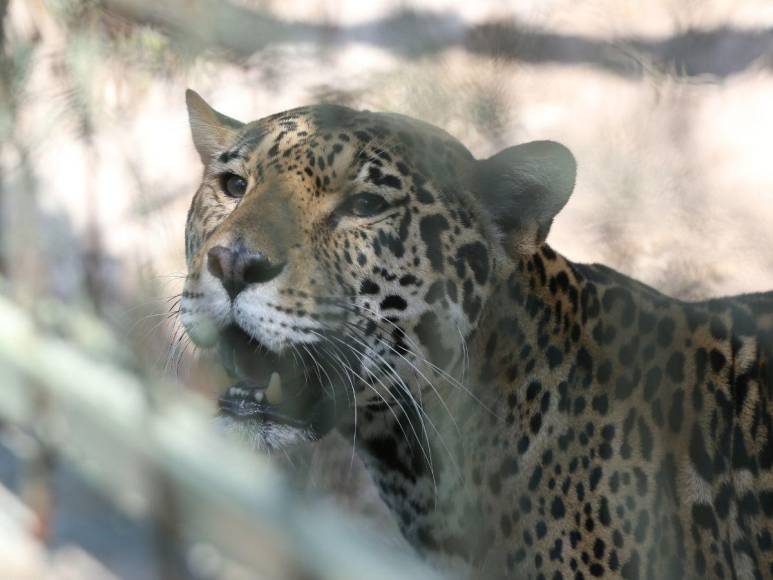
336, 259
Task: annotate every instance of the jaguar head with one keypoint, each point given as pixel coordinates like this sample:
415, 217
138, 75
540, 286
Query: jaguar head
339, 260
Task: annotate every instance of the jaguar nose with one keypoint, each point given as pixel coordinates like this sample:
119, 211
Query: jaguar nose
236, 267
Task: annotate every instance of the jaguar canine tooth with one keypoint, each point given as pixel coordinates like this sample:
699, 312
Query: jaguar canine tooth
274, 389
258, 395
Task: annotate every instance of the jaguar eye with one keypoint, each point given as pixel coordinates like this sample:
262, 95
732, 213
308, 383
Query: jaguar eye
365, 204
233, 185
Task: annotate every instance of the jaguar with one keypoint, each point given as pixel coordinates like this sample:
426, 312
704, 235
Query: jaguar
522, 416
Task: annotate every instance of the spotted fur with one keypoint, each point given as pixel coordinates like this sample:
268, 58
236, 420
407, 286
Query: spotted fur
522, 415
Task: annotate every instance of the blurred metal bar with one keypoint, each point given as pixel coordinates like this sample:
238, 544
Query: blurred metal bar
223, 495
168, 537
37, 470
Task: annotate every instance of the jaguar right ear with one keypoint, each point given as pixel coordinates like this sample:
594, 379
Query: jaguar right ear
524, 187
212, 131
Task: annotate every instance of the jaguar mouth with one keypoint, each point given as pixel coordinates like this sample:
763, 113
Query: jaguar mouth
284, 389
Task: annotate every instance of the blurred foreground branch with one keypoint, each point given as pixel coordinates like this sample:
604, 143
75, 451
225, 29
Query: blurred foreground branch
167, 462
212, 23
718, 52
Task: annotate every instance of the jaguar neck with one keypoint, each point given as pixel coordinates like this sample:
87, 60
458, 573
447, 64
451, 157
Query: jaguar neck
532, 322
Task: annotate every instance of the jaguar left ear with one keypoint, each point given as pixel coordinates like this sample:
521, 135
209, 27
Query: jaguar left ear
212, 131
524, 187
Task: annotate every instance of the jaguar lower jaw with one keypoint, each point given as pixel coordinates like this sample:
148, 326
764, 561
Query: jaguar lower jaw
308, 409
246, 402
